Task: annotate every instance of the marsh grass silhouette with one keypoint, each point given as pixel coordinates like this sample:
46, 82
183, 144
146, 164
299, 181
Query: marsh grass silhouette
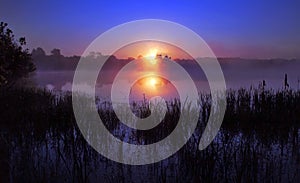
258, 140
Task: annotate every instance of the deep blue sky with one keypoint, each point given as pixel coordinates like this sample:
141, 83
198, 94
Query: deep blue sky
253, 28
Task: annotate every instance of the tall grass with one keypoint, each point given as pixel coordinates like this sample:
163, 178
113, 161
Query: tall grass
258, 141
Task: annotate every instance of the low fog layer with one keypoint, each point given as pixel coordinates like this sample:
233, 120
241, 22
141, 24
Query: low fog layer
56, 71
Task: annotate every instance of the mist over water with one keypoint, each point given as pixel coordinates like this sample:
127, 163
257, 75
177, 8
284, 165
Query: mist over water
238, 73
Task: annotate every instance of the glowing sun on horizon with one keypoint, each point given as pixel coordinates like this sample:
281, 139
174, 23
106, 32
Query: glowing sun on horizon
151, 56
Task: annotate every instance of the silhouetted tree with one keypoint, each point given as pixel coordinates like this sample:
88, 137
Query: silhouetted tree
15, 62
56, 52
39, 52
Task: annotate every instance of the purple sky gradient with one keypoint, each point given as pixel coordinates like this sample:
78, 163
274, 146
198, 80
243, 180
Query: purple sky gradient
251, 29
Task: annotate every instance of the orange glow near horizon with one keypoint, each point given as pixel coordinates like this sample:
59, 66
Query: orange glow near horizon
148, 50
151, 56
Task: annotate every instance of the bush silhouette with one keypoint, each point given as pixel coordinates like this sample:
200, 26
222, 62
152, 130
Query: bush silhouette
15, 62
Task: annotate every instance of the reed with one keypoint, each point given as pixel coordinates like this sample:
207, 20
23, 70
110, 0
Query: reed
258, 140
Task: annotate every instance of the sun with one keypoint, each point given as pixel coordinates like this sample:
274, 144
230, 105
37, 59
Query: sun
152, 53
151, 56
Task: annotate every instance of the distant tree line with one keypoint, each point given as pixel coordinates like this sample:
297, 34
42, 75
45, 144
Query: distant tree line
57, 61
54, 61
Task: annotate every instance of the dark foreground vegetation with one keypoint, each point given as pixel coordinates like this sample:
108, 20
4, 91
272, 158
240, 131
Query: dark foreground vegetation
258, 141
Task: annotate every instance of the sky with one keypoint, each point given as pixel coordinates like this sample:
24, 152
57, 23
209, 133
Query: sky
248, 29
